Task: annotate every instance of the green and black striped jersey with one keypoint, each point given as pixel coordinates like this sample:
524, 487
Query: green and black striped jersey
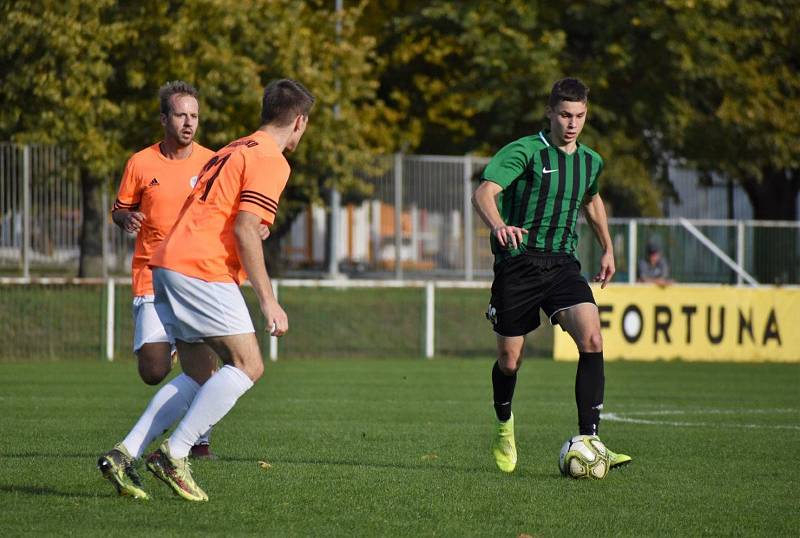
543, 189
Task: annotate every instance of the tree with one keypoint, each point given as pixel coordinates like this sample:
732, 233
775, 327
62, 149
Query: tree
89, 72
711, 83
714, 84
472, 76
55, 60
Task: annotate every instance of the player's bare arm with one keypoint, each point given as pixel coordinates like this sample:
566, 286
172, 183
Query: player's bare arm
484, 201
263, 231
129, 221
248, 242
595, 212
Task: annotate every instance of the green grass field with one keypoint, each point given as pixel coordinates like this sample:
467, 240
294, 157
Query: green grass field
400, 448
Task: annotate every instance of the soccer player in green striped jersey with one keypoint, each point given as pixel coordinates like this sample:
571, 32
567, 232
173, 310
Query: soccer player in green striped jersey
529, 196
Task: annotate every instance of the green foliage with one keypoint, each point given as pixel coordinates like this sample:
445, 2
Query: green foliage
711, 83
469, 75
85, 75
56, 66
89, 73
472, 76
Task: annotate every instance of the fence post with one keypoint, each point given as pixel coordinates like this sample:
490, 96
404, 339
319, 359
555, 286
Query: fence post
335, 233
26, 211
273, 340
739, 250
468, 226
105, 235
110, 310
632, 232
429, 319
414, 217
398, 215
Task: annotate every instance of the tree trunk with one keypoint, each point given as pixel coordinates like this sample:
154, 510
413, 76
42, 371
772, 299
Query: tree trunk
775, 249
775, 197
91, 257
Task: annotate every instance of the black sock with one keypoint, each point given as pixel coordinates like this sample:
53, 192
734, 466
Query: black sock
503, 386
589, 385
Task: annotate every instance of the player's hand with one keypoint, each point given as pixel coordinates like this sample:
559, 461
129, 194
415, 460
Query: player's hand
132, 222
263, 231
277, 320
508, 236
607, 269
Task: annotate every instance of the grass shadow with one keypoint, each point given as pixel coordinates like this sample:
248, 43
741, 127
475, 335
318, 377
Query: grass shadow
43, 491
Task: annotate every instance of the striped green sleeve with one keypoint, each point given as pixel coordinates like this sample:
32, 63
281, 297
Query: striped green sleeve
594, 186
508, 164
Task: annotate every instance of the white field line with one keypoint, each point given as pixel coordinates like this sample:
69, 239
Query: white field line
628, 418
709, 411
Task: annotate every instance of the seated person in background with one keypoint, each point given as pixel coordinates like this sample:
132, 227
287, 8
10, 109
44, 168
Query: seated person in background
654, 268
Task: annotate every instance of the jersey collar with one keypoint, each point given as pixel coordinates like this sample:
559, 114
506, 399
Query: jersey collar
544, 136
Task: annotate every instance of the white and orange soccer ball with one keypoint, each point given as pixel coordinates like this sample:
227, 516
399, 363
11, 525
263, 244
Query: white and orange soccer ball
584, 456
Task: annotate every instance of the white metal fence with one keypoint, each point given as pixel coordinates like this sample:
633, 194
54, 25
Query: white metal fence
417, 224
58, 318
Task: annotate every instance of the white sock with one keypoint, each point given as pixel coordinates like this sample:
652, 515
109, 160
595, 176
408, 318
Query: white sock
213, 401
168, 405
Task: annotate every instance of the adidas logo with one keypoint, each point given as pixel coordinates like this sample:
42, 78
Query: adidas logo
153, 183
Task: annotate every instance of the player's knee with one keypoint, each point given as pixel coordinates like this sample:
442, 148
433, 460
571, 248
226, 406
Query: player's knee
153, 367
254, 370
509, 362
509, 369
593, 343
152, 376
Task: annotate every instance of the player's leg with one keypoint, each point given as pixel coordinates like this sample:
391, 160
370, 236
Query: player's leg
582, 322
513, 312
243, 366
152, 346
156, 352
504, 380
203, 309
504, 373
155, 362
171, 402
204, 362
168, 404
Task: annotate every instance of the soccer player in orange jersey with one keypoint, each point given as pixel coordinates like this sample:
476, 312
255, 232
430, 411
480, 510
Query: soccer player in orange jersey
156, 182
214, 245
154, 186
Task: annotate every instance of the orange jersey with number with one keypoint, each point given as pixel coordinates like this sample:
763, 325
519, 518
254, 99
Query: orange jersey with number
248, 174
157, 187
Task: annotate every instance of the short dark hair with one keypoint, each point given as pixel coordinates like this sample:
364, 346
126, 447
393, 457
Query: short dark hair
568, 89
174, 87
283, 101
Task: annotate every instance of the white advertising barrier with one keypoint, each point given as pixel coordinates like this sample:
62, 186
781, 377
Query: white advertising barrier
721, 323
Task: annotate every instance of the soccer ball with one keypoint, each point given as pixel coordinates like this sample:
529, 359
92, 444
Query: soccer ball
584, 456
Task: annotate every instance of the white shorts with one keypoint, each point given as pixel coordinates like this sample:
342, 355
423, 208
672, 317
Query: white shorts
147, 327
192, 309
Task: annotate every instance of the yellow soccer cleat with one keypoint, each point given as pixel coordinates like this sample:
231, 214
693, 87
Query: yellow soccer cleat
504, 448
617, 460
176, 473
117, 467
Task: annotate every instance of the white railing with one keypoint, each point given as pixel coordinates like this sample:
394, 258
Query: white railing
418, 223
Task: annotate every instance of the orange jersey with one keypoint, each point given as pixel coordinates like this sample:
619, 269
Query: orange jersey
157, 187
248, 174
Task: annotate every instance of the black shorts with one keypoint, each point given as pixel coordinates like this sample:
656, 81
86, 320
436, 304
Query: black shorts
525, 283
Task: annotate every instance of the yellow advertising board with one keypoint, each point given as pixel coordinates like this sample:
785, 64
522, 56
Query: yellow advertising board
721, 323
